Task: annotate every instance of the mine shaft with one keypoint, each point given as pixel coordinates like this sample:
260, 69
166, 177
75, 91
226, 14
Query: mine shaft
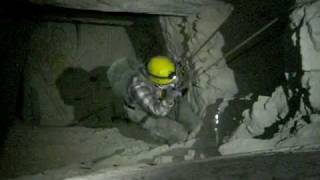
168, 90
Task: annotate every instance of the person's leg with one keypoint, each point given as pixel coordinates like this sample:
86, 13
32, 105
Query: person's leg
163, 127
166, 128
189, 119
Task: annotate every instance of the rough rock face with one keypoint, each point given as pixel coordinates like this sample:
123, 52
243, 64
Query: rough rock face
265, 112
311, 81
184, 36
306, 135
65, 72
299, 126
307, 19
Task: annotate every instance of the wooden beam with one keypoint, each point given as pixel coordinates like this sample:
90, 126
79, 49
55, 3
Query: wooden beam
158, 7
39, 13
70, 20
87, 20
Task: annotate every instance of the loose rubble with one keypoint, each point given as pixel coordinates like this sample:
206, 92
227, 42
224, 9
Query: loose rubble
302, 127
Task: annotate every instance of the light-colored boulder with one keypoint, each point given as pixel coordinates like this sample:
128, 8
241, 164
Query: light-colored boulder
166, 128
266, 111
307, 20
163, 159
306, 135
190, 155
311, 81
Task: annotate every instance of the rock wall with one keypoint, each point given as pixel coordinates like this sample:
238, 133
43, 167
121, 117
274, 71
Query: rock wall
307, 20
65, 75
183, 37
290, 117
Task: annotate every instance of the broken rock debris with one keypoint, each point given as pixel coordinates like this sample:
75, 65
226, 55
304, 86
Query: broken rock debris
302, 127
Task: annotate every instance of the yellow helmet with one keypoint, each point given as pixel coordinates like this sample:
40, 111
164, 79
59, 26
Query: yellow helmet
161, 70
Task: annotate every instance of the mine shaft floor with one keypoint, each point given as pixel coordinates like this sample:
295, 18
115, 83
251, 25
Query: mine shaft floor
270, 166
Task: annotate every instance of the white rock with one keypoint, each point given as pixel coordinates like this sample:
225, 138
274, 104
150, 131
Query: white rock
190, 156
202, 156
166, 128
315, 118
163, 159
240, 132
309, 35
266, 111
311, 81
246, 145
306, 135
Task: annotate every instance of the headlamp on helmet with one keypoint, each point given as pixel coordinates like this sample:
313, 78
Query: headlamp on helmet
161, 70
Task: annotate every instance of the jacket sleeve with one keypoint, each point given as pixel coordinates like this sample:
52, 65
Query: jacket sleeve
144, 95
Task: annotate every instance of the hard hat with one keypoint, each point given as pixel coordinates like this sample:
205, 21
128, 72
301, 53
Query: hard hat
161, 70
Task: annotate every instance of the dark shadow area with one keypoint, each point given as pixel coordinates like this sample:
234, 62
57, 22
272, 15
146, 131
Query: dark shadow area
209, 139
15, 31
146, 37
91, 96
259, 66
294, 73
95, 105
219, 125
14, 38
231, 117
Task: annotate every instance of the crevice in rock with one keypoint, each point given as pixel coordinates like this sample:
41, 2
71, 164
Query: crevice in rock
292, 88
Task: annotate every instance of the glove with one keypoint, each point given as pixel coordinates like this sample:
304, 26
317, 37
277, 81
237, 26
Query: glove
173, 92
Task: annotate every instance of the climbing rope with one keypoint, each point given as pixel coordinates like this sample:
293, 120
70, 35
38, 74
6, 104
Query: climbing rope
243, 43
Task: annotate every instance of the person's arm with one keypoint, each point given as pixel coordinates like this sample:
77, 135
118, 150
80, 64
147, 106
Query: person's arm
144, 95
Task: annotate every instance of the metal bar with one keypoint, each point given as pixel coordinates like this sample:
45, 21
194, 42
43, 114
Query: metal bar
233, 50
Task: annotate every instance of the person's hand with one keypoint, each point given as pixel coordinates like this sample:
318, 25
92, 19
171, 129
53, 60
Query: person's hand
176, 93
173, 92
